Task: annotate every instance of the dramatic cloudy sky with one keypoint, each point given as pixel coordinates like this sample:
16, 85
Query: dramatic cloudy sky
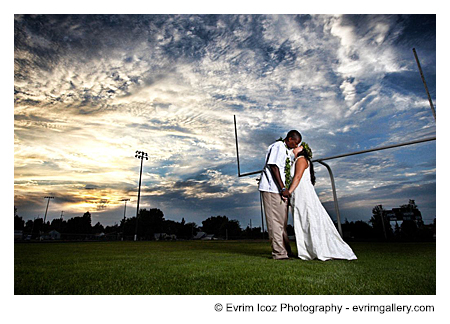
90, 90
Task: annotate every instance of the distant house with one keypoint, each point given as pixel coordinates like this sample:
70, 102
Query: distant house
160, 236
200, 235
164, 236
208, 237
100, 235
54, 235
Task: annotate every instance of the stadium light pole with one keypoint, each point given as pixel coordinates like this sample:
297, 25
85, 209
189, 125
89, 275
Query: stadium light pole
48, 201
124, 211
139, 155
45, 216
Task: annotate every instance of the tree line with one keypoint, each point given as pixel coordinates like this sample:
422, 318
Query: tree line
151, 224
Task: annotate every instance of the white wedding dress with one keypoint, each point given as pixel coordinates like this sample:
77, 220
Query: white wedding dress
315, 233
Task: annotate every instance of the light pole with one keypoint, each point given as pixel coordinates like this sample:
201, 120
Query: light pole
45, 216
140, 155
124, 211
48, 201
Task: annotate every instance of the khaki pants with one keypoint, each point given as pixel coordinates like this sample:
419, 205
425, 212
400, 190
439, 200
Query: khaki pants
276, 211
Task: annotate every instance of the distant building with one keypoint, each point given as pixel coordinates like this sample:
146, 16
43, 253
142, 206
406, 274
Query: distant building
164, 236
54, 235
405, 212
200, 235
100, 235
160, 236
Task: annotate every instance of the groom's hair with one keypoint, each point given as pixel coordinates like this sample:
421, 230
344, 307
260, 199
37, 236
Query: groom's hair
294, 134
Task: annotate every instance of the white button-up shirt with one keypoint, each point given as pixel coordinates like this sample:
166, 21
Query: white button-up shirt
276, 154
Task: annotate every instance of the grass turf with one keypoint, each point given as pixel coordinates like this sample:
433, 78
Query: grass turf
218, 268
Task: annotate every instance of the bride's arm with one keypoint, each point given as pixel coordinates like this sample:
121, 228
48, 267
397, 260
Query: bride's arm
300, 166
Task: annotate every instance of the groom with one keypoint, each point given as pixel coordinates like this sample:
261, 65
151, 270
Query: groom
274, 192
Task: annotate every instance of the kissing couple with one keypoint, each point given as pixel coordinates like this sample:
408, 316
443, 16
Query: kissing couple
288, 179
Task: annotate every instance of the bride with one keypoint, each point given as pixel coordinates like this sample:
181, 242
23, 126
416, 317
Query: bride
315, 234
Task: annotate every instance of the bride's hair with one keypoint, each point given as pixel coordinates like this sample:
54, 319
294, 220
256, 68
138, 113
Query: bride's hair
311, 167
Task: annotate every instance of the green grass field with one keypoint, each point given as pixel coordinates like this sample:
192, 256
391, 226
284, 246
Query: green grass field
218, 268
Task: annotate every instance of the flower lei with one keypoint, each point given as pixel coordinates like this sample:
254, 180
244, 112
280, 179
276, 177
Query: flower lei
287, 169
287, 166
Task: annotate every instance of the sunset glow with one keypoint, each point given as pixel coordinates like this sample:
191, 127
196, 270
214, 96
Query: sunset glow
90, 90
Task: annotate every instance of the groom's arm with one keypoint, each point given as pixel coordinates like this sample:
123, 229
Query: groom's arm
277, 177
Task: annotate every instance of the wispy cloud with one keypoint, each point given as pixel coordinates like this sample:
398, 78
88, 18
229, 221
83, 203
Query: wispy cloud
92, 89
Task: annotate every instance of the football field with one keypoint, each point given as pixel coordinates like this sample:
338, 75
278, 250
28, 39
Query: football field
218, 268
